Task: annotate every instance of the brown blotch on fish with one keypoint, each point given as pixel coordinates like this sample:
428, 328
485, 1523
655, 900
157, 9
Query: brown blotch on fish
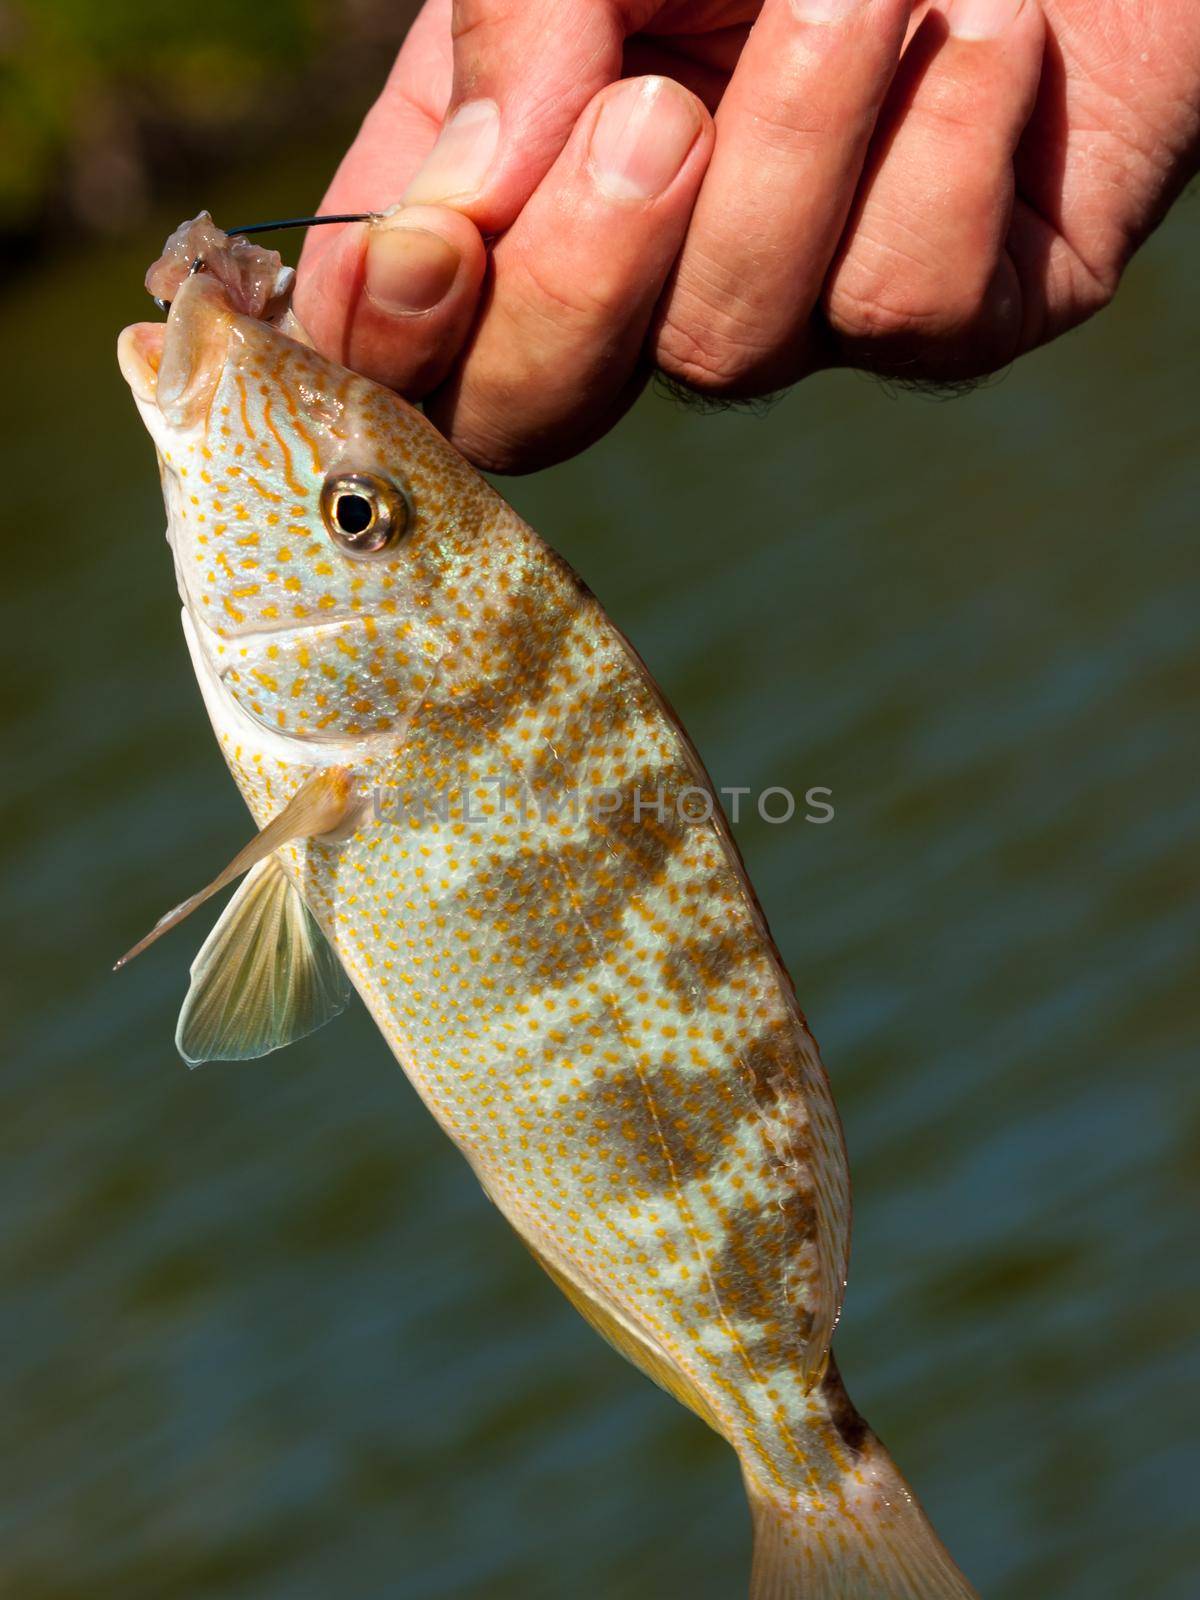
693, 969
851, 1429
671, 1126
524, 675
768, 1064
567, 900
746, 1273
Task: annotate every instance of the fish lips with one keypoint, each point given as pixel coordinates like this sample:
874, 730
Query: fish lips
176, 367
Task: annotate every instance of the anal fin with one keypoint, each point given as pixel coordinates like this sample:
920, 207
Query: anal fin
627, 1341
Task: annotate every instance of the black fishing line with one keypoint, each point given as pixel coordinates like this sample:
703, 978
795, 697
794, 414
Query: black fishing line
272, 227
306, 222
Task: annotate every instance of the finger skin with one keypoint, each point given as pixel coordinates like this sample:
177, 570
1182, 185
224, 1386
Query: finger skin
923, 286
558, 353
1115, 135
543, 61
1113, 140
400, 341
792, 133
536, 64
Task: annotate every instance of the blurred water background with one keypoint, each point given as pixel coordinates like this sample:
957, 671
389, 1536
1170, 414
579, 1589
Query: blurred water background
263, 1337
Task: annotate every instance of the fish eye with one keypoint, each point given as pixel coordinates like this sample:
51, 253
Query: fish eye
365, 514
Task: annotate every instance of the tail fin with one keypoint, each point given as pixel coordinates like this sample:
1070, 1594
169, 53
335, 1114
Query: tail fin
875, 1544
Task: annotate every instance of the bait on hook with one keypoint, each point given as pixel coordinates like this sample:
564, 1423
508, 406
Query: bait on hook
272, 227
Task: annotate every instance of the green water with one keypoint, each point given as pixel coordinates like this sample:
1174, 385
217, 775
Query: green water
262, 1335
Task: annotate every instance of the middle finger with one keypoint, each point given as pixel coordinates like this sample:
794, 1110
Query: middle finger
556, 354
792, 134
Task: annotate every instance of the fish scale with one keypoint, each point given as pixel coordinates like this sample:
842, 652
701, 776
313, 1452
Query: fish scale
533, 888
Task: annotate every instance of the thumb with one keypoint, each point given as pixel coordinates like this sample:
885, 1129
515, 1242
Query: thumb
522, 75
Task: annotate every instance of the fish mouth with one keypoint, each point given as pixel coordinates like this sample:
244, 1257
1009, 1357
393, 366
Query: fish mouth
139, 356
175, 367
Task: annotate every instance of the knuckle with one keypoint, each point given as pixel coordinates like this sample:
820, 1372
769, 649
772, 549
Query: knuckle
1083, 283
876, 312
716, 351
966, 337
486, 420
792, 130
705, 361
569, 305
492, 448
886, 292
469, 18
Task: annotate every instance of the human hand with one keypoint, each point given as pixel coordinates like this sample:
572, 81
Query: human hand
926, 192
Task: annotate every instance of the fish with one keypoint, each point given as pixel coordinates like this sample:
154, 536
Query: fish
476, 809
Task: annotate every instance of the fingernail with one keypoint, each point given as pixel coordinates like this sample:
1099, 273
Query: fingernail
981, 19
458, 163
408, 270
642, 138
825, 10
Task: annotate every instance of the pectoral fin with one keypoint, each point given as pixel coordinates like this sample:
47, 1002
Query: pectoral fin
317, 807
264, 977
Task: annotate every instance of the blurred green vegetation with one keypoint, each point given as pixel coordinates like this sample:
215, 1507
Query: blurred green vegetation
103, 104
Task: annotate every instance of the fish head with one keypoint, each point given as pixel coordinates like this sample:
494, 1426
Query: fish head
324, 534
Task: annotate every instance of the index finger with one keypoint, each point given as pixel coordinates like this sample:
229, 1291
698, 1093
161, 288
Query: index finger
523, 73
